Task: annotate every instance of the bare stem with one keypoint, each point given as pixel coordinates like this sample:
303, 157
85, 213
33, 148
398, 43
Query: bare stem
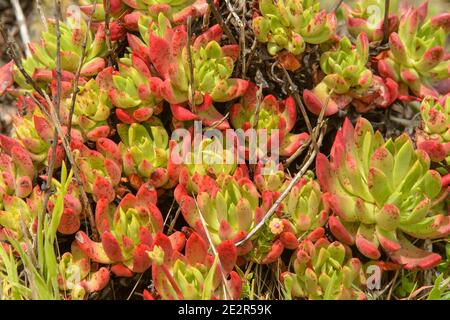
387, 4
220, 21
75, 89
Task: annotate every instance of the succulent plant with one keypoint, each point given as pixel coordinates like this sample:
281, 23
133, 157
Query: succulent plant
116, 9
209, 158
16, 169
35, 134
92, 107
302, 213
100, 172
434, 135
304, 206
229, 205
273, 115
204, 112
135, 92
145, 152
15, 217
291, 24
42, 63
367, 16
177, 11
72, 213
75, 275
324, 271
165, 48
349, 80
380, 191
126, 232
418, 56
196, 275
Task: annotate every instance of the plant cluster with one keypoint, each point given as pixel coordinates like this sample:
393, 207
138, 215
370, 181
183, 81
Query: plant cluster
104, 95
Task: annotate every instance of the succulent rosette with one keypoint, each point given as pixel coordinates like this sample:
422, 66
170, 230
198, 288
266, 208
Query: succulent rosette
291, 24
349, 80
15, 217
100, 171
126, 232
165, 47
34, 133
196, 275
76, 277
92, 106
418, 57
229, 205
434, 135
72, 213
381, 192
189, 163
303, 212
276, 118
324, 271
304, 206
135, 92
17, 171
145, 152
367, 16
42, 63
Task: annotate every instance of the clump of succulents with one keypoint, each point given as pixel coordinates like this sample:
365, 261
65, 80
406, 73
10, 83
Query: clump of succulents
418, 56
434, 136
381, 192
275, 118
349, 80
42, 63
324, 271
166, 48
155, 70
196, 275
291, 24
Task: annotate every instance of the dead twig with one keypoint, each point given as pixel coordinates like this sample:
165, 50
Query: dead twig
294, 91
337, 5
220, 21
387, 4
191, 65
21, 22
75, 89
41, 14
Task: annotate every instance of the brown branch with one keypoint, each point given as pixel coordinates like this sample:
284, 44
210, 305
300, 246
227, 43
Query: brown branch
387, 4
337, 5
220, 21
294, 91
75, 89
